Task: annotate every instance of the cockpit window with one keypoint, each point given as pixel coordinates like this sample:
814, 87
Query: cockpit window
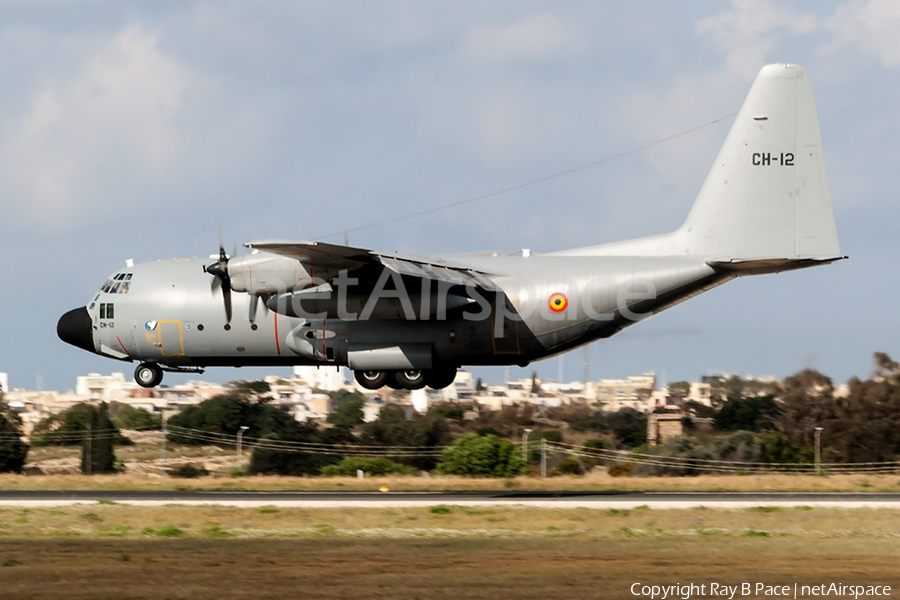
117, 284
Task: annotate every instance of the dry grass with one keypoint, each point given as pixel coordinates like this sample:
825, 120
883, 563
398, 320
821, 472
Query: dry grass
419, 569
109, 520
109, 551
598, 481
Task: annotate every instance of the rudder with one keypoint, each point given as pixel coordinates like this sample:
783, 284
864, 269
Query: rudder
767, 195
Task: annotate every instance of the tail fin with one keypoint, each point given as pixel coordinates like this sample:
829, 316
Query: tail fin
767, 194
766, 199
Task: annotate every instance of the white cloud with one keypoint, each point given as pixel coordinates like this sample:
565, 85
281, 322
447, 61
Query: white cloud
113, 123
534, 39
747, 31
873, 25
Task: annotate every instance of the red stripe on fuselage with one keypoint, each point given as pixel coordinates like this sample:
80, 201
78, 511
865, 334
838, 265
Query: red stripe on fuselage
277, 343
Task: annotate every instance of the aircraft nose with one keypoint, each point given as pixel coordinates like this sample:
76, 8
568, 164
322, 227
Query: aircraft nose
74, 328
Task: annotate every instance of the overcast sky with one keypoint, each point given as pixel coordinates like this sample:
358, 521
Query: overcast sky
139, 130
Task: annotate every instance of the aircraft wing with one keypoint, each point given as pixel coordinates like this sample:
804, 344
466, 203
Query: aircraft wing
316, 253
332, 256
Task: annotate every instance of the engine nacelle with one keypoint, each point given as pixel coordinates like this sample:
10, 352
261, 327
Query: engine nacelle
266, 274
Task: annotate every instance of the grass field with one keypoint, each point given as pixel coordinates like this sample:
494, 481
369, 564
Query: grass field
425, 569
106, 550
596, 481
110, 551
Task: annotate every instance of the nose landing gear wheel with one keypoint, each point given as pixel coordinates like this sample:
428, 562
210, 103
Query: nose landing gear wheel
148, 375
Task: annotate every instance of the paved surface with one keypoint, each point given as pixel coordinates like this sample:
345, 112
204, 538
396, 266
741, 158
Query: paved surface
560, 500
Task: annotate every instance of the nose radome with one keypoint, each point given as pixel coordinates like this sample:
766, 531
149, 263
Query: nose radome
74, 328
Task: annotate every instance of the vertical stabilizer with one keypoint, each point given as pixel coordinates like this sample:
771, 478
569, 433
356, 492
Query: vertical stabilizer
766, 197
767, 194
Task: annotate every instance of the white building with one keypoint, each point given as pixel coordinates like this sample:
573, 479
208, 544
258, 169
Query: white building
103, 388
4, 382
632, 392
700, 392
329, 379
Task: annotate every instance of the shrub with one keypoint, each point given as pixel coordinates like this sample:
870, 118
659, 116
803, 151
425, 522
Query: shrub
97, 451
620, 470
125, 416
13, 451
348, 410
568, 466
393, 429
597, 444
169, 531
368, 465
189, 471
69, 428
482, 456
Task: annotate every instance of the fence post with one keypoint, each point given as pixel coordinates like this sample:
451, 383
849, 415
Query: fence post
162, 445
543, 458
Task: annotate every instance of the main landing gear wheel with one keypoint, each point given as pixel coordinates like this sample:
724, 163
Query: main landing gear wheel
148, 375
438, 379
371, 380
410, 380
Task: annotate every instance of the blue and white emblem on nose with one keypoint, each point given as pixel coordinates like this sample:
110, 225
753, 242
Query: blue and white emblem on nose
150, 325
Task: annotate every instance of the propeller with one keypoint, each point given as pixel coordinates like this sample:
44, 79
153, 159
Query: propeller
221, 279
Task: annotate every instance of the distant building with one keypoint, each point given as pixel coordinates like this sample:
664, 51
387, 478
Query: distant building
662, 426
4, 382
103, 388
329, 379
632, 392
700, 392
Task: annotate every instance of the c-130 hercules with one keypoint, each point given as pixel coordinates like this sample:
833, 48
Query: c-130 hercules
411, 321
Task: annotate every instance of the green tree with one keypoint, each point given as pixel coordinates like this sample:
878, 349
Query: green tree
629, 426
97, 453
699, 410
221, 415
278, 451
251, 387
680, 388
13, 451
534, 443
807, 401
535, 383
125, 416
68, 428
348, 411
373, 466
448, 410
392, 429
756, 413
482, 456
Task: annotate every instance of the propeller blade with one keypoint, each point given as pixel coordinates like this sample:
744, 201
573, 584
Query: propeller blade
226, 294
254, 300
221, 279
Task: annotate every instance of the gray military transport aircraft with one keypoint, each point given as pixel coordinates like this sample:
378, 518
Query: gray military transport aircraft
411, 321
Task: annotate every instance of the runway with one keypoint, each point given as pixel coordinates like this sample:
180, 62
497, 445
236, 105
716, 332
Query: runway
552, 500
